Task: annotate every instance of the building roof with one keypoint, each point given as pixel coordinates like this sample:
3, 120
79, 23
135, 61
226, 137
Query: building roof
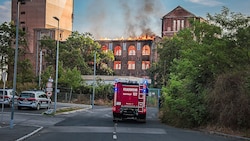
181, 13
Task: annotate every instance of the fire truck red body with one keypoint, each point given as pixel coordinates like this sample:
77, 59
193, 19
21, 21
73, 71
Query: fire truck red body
130, 100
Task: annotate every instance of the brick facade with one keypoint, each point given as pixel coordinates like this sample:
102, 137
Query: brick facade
177, 20
36, 19
132, 57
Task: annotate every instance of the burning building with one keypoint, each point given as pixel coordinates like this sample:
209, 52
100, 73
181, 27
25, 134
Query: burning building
133, 56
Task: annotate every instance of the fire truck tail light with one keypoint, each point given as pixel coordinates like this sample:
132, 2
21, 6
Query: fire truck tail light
144, 110
114, 108
118, 103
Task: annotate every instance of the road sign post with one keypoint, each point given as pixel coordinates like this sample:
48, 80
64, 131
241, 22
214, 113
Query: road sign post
49, 88
4, 78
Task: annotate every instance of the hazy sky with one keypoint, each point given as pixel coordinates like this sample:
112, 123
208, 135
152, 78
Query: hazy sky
123, 18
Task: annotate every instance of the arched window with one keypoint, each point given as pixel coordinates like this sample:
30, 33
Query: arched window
145, 65
131, 65
117, 65
118, 51
104, 48
146, 50
131, 50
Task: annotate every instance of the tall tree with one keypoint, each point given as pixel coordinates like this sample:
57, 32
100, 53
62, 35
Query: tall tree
7, 51
83, 47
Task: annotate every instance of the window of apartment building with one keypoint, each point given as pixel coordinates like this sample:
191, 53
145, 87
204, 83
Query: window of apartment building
124, 46
131, 50
145, 65
22, 22
131, 65
23, 12
110, 46
178, 25
174, 25
117, 65
118, 51
182, 24
138, 46
104, 48
146, 50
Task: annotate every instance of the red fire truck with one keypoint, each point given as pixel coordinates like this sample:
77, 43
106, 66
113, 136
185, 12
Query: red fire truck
130, 100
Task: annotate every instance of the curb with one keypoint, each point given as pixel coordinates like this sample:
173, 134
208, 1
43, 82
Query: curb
30, 134
70, 112
226, 135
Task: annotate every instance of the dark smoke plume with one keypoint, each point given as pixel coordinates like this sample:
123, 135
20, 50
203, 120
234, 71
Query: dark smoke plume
136, 17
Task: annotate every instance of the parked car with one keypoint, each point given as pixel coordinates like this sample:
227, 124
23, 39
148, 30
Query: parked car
6, 96
33, 99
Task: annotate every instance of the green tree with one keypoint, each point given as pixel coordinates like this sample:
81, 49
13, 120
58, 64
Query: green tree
167, 50
206, 51
7, 51
83, 46
70, 78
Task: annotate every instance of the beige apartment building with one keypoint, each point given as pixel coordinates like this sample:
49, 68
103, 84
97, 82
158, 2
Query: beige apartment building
36, 19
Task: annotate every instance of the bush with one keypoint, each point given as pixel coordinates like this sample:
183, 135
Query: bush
186, 110
229, 101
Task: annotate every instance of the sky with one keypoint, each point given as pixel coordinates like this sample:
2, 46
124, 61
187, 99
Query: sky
124, 18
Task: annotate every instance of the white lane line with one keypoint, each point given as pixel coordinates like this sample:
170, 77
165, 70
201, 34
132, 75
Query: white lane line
114, 137
30, 134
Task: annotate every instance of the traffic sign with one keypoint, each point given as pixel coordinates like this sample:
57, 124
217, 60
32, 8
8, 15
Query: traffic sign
49, 84
49, 89
49, 93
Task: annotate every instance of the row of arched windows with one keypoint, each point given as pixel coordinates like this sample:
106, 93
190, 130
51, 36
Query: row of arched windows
131, 50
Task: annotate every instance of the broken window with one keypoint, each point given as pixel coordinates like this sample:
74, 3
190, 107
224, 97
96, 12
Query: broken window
145, 65
118, 51
131, 65
131, 50
146, 50
117, 65
104, 48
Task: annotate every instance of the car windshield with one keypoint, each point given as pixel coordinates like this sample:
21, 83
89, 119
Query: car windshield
1, 92
27, 95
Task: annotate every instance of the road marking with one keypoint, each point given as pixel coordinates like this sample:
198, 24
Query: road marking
97, 129
30, 134
114, 137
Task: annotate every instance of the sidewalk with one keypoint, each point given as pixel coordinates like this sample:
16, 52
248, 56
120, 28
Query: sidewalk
21, 131
17, 132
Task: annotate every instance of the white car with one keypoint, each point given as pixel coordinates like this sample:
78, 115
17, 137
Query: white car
33, 99
6, 96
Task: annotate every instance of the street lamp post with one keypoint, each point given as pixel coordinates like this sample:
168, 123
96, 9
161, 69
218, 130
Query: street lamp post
15, 62
57, 58
94, 83
15, 65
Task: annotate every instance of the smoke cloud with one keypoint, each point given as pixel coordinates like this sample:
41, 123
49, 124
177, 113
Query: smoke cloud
125, 18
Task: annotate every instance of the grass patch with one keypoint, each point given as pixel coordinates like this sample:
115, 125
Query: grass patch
67, 109
61, 110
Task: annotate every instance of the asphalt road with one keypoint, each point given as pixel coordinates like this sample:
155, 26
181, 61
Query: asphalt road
97, 125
